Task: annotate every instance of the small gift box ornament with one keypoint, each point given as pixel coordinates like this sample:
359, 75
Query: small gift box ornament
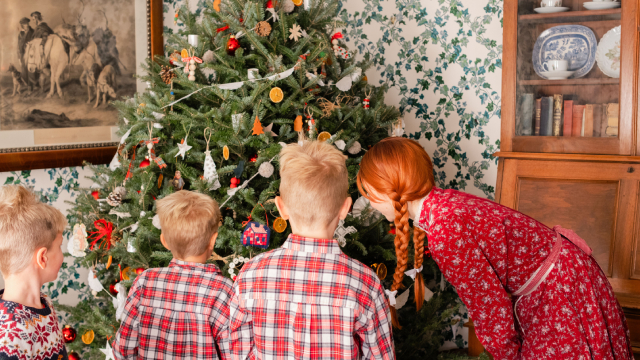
256, 234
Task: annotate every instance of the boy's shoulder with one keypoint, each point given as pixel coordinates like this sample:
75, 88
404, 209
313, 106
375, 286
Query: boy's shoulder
204, 275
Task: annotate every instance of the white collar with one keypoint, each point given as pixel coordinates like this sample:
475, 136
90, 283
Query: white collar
416, 220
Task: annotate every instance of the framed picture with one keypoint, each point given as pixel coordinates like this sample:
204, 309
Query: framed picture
61, 63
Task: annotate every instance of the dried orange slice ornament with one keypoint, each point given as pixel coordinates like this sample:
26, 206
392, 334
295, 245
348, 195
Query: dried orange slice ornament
184, 53
276, 95
280, 225
109, 261
88, 337
297, 2
381, 270
324, 136
225, 152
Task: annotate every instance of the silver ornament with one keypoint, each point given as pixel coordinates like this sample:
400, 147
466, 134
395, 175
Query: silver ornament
266, 169
288, 6
208, 57
355, 148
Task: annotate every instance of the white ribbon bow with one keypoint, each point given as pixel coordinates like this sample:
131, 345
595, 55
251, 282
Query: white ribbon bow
413, 272
392, 296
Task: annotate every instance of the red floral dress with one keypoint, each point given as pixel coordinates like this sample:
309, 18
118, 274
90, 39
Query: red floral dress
488, 251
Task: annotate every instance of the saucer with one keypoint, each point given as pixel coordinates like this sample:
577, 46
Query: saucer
551, 9
556, 75
601, 5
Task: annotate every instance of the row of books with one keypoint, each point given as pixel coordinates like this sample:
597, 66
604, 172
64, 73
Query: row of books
553, 116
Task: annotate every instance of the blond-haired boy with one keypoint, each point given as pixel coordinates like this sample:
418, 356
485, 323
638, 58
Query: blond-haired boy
307, 300
181, 311
30, 256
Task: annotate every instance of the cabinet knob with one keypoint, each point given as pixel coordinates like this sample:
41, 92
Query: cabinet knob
630, 170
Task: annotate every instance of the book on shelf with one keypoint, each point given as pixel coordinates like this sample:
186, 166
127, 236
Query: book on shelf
612, 116
546, 116
588, 121
536, 128
557, 114
598, 120
578, 114
524, 115
567, 127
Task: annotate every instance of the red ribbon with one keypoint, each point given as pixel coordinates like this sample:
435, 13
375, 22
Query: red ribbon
133, 157
104, 230
337, 35
219, 30
195, 58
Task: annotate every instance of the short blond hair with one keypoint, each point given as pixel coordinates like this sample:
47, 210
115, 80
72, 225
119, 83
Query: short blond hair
26, 225
314, 182
188, 221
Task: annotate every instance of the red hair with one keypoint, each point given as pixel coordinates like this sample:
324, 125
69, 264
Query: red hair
401, 169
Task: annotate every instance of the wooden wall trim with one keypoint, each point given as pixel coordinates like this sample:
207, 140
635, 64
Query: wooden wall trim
55, 158
509, 74
568, 157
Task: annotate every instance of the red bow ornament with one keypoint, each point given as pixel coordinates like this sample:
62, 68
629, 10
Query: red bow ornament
103, 232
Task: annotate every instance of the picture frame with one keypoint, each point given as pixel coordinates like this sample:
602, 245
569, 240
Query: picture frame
14, 156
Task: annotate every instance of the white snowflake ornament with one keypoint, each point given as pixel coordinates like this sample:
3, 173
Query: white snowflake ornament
295, 33
78, 241
341, 232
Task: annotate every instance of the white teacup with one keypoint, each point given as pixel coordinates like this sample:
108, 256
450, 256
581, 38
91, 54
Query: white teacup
556, 65
604, 0
551, 3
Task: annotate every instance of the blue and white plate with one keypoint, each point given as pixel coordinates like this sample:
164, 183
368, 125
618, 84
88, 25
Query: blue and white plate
575, 43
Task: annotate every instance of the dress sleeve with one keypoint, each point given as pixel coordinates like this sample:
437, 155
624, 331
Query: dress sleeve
126, 343
374, 331
457, 254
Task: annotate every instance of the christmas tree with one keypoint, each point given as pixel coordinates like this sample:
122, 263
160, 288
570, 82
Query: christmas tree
241, 79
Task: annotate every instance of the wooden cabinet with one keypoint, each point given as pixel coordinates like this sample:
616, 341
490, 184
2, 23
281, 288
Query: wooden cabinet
590, 184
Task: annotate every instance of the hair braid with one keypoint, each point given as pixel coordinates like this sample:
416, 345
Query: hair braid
401, 243
418, 244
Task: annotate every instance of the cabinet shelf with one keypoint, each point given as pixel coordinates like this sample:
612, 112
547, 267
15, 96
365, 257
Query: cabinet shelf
581, 81
584, 15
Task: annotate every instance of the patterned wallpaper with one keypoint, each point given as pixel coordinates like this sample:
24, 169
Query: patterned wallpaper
442, 60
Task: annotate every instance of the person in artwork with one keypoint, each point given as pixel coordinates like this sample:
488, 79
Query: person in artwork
26, 35
532, 292
42, 31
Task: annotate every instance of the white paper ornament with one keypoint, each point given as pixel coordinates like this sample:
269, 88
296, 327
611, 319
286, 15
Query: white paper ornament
119, 214
115, 162
157, 115
119, 301
402, 299
130, 247
428, 294
266, 169
78, 241
355, 148
156, 222
363, 210
340, 144
341, 232
94, 283
108, 352
210, 173
158, 126
307, 4
183, 148
236, 121
345, 83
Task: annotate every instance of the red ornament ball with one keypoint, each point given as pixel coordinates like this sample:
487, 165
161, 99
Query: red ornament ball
69, 334
95, 194
427, 254
254, 158
144, 163
74, 356
235, 181
392, 231
232, 45
112, 289
139, 270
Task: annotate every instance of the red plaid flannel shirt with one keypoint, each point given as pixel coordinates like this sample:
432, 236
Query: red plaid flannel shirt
177, 312
307, 300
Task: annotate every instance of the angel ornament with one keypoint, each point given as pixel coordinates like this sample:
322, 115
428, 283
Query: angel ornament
210, 173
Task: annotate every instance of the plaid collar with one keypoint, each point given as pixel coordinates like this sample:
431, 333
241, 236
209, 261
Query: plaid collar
311, 245
193, 265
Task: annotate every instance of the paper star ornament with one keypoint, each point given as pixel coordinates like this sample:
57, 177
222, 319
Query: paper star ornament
108, 352
183, 148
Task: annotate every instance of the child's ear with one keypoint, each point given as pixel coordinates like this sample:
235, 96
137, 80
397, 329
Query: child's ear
212, 242
282, 209
41, 258
164, 243
346, 206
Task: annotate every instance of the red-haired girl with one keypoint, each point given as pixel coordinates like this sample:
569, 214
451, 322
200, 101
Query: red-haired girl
507, 267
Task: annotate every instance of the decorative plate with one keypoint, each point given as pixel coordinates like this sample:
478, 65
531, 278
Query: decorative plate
550, 9
601, 5
608, 54
575, 43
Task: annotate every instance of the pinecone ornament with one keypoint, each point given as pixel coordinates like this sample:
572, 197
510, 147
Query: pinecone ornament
116, 196
263, 28
167, 75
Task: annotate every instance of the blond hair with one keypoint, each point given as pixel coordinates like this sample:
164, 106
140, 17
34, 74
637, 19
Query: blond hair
188, 221
26, 225
314, 182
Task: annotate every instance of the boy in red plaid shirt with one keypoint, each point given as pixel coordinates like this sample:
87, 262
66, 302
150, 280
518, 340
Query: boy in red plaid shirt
181, 311
307, 300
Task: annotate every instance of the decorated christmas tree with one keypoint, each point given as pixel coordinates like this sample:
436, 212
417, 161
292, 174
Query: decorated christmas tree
242, 79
